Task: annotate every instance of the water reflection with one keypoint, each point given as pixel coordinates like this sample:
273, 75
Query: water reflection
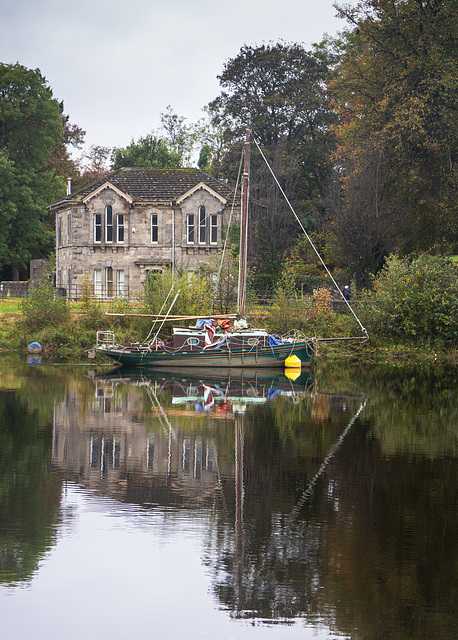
307, 504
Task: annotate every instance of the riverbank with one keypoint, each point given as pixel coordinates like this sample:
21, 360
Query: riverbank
72, 341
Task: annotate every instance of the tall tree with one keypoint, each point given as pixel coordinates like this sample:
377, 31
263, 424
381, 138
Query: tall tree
395, 90
30, 126
147, 151
280, 88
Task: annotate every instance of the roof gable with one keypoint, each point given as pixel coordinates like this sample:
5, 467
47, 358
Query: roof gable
107, 185
199, 186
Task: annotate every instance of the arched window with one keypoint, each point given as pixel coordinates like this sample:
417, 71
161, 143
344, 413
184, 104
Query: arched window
109, 223
109, 274
202, 225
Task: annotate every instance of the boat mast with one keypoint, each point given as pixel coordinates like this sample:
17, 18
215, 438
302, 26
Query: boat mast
244, 227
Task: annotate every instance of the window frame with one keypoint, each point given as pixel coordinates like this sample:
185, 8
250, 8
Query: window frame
202, 222
120, 283
120, 229
154, 228
97, 228
213, 228
109, 225
190, 228
109, 282
98, 288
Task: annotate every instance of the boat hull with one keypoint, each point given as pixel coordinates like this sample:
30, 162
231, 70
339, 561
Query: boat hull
272, 356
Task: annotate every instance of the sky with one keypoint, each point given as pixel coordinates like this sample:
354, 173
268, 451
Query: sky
117, 65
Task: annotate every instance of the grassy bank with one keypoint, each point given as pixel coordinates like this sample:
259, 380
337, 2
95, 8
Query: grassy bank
73, 336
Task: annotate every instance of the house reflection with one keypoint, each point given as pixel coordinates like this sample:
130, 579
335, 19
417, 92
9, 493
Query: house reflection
121, 442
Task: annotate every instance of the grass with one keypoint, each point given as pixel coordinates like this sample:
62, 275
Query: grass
10, 305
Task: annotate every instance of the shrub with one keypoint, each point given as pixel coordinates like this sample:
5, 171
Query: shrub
414, 298
42, 309
195, 295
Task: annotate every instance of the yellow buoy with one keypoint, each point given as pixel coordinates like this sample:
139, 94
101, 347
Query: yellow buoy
293, 362
292, 374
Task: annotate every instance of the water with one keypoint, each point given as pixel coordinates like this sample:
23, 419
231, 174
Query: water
256, 507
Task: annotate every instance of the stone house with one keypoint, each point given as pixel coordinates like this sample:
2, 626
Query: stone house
135, 222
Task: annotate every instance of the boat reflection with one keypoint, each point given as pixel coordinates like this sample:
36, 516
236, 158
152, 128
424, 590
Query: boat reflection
217, 391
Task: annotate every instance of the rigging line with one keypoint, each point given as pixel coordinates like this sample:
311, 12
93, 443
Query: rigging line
154, 340
309, 239
332, 451
160, 312
228, 228
167, 427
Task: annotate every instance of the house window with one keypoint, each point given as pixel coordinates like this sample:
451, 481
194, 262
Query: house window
98, 227
202, 225
190, 228
152, 275
109, 224
120, 283
109, 274
59, 231
98, 283
154, 228
213, 229
69, 227
120, 228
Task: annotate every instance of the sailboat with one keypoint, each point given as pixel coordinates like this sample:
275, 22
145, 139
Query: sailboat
219, 340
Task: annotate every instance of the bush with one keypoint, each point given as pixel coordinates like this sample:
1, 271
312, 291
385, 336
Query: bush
195, 295
311, 315
42, 309
414, 298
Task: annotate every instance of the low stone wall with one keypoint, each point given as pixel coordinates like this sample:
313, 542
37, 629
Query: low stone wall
9, 289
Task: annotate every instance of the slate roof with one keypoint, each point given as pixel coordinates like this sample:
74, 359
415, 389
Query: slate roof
152, 185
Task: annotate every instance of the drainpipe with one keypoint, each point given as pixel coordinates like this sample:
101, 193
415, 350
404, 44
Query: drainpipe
57, 254
173, 239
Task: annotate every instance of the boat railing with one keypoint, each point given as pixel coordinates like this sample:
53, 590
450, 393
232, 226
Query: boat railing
105, 338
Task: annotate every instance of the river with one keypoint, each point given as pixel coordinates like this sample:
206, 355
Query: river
244, 505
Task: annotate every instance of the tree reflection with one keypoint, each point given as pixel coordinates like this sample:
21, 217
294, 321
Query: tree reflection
372, 551
29, 495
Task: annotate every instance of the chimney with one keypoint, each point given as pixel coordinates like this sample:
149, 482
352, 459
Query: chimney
69, 186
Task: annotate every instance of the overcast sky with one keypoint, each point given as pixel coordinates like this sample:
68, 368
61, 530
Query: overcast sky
118, 64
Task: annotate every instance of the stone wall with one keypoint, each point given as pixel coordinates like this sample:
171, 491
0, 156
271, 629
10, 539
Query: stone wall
9, 289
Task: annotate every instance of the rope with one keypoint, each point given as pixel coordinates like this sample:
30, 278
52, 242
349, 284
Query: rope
227, 232
309, 239
332, 451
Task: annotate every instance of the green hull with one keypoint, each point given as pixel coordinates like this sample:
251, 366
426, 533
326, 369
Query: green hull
271, 357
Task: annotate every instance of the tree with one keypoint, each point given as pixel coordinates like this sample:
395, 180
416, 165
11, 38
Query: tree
170, 147
148, 151
395, 90
61, 160
280, 88
30, 126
